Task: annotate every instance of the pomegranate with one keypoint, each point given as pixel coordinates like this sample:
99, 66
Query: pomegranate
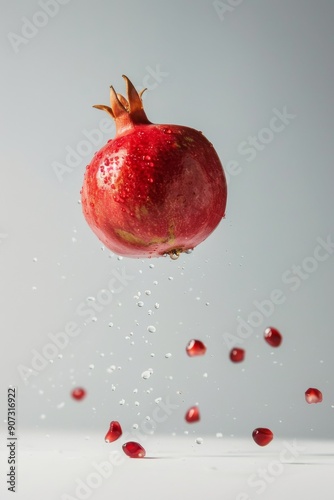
262, 436
192, 415
237, 355
313, 395
114, 432
134, 450
272, 336
153, 189
78, 393
195, 348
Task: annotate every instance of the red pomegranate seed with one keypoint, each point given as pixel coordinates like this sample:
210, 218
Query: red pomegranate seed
133, 450
78, 393
262, 436
192, 415
237, 355
114, 432
313, 395
195, 348
273, 336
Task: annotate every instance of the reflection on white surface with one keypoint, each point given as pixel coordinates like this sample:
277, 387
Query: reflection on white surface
77, 466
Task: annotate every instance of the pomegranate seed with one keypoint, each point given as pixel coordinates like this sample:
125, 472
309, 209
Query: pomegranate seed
313, 395
114, 432
195, 348
133, 450
78, 393
192, 415
262, 436
237, 355
272, 336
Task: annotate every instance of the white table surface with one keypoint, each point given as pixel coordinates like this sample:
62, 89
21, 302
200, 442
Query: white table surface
51, 467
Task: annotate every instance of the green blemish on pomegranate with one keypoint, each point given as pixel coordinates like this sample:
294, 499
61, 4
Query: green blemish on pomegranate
135, 240
141, 212
131, 238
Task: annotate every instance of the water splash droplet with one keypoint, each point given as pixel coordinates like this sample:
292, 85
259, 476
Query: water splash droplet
147, 374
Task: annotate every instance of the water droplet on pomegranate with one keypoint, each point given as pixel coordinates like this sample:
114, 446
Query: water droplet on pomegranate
192, 415
195, 348
78, 393
237, 355
174, 254
114, 432
313, 395
272, 336
133, 450
262, 436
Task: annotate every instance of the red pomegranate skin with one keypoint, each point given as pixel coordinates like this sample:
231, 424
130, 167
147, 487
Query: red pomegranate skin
154, 189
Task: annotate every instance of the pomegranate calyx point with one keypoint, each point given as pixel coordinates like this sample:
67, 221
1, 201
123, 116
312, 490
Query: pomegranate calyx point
126, 112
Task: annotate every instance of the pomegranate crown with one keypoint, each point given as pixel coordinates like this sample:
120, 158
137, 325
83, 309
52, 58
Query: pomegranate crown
126, 112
